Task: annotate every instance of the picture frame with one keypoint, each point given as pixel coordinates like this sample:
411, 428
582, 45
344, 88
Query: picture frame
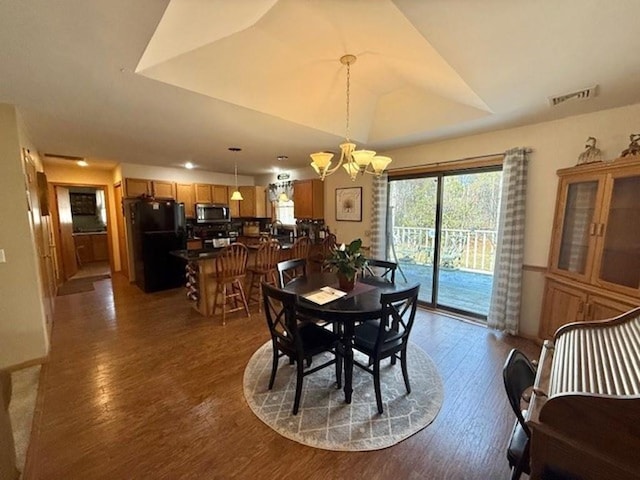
349, 204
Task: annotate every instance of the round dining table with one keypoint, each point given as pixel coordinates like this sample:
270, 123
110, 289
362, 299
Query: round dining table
359, 305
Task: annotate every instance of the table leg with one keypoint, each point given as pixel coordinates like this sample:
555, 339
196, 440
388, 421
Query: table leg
348, 360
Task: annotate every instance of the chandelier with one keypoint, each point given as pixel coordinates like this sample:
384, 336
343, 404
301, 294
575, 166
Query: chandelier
352, 160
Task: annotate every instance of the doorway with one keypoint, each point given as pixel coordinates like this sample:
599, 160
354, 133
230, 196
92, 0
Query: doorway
83, 234
444, 232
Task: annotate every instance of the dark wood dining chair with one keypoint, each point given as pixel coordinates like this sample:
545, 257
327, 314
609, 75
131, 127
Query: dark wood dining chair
290, 269
263, 270
389, 337
519, 375
231, 268
381, 268
299, 341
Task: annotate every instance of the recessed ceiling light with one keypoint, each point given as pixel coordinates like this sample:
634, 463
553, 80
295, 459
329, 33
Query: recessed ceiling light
282, 157
82, 163
189, 165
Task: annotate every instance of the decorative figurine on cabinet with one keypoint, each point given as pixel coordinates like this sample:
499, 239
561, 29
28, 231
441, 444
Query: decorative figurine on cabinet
634, 146
591, 154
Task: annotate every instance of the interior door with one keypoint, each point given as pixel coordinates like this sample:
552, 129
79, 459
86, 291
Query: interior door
65, 227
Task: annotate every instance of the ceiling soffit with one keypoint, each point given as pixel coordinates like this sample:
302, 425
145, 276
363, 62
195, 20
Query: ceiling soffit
282, 58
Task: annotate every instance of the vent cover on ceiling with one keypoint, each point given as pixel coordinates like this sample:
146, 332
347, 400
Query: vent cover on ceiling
63, 157
584, 94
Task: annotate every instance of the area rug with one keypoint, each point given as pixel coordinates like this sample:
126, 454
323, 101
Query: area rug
80, 285
21, 408
325, 421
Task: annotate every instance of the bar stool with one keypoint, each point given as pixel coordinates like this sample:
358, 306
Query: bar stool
300, 248
264, 269
231, 268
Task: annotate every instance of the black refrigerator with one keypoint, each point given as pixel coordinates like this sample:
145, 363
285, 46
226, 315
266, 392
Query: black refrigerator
158, 227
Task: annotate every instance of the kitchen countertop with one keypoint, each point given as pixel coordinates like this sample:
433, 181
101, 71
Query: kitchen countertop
197, 254
208, 253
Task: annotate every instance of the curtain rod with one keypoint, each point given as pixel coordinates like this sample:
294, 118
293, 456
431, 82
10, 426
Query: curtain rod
477, 157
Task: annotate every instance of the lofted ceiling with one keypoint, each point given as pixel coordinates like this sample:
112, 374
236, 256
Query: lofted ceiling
164, 82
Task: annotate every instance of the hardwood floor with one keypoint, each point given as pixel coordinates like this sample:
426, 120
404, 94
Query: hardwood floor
139, 386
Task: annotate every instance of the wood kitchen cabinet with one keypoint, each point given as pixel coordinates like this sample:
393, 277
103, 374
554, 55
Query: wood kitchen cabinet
253, 204
254, 201
203, 193
185, 193
91, 247
308, 199
220, 194
594, 261
136, 187
206, 193
162, 189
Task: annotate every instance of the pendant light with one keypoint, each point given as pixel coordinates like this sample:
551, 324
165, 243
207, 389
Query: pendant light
236, 195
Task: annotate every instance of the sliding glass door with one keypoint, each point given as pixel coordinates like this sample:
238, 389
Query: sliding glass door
444, 234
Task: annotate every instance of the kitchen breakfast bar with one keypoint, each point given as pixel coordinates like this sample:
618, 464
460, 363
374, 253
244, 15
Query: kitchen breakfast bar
200, 273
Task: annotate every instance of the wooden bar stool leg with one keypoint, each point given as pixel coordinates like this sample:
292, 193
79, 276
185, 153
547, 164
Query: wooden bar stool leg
224, 303
243, 298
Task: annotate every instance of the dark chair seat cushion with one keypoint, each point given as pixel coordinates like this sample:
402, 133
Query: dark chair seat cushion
367, 333
315, 338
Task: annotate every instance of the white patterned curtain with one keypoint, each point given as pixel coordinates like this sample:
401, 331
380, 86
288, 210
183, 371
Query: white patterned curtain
379, 217
504, 310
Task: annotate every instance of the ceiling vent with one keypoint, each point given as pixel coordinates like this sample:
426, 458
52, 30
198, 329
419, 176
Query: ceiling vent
63, 157
584, 94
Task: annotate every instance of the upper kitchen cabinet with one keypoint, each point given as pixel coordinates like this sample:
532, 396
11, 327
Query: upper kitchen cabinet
185, 193
594, 245
308, 199
253, 204
162, 189
203, 193
206, 193
135, 187
219, 194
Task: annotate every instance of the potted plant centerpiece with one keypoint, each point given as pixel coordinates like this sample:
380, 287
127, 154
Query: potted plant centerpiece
346, 261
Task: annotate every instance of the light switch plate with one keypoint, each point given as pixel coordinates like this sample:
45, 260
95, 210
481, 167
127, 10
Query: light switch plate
2, 257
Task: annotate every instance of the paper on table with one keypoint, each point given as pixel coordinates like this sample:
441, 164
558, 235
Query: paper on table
324, 295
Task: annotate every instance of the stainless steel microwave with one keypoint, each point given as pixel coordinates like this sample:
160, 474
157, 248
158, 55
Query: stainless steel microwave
212, 213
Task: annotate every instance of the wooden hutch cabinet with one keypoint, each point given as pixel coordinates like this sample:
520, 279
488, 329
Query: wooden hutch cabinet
594, 261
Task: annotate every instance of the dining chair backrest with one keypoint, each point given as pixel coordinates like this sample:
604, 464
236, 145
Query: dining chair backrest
381, 268
280, 312
290, 269
232, 261
268, 255
398, 315
301, 247
519, 374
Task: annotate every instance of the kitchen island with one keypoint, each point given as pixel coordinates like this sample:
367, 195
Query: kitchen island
200, 271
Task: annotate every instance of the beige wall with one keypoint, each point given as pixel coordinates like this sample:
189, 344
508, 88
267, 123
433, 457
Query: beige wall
77, 175
23, 335
555, 145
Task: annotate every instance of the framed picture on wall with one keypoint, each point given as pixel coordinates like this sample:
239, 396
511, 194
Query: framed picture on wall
349, 204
